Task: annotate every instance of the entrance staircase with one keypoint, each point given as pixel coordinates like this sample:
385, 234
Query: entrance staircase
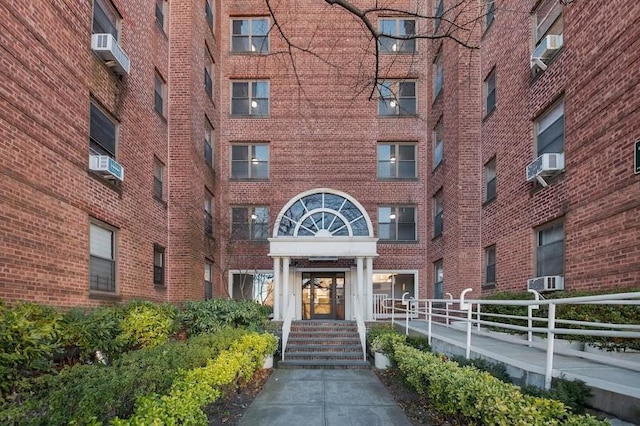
317, 344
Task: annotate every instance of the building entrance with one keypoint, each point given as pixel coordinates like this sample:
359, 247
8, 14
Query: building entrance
323, 295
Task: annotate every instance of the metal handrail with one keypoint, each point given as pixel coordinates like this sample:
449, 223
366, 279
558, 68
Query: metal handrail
362, 329
425, 308
288, 318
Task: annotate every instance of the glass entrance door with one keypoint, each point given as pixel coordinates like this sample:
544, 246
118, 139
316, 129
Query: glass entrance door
323, 295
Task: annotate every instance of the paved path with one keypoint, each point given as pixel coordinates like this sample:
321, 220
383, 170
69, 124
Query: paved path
324, 398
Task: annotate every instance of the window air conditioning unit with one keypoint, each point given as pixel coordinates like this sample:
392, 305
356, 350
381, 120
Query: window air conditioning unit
107, 48
547, 47
546, 283
545, 165
107, 166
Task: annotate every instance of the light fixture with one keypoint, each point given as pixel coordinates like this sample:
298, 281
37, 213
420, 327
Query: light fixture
254, 160
393, 104
392, 216
254, 216
394, 47
392, 159
253, 48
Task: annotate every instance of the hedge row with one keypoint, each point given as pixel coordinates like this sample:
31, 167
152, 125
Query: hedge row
478, 396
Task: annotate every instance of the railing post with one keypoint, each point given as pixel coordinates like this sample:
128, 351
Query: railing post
530, 309
446, 306
478, 316
429, 311
469, 317
551, 325
405, 303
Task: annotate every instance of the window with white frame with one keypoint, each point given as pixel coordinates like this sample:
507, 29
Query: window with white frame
102, 263
397, 223
208, 142
159, 91
158, 265
547, 20
388, 289
255, 285
438, 14
489, 89
158, 179
398, 35
438, 279
103, 133
106, 19
490, 180
250, 35
250, 223
250, 98
438, 213
161, 8
208, 213
438, 73
490, 265
208, 280
397, 98
250, 161
208, 13
438, 143
550, 250
549, 130
396, 160
208, 73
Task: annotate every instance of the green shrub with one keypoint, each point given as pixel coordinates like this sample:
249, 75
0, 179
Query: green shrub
385, 342
476, 395
29, 338
378, 329
419, 342
210, 315
572, 393
496, 369
146, 325
85, 393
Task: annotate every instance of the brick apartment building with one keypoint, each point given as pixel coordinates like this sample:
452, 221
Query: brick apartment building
256, 167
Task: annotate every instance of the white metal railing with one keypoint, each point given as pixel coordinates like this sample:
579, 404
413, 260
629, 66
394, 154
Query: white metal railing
384, 307
470, 314
288, 318
362, 329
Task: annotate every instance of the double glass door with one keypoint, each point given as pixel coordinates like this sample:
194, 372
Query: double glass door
323, 295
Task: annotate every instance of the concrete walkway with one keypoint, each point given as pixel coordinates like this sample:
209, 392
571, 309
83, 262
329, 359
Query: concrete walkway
324, 398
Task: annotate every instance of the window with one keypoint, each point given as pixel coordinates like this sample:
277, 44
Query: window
397, 98
547, 20
489, 88
102, 262
250, 35
208, 72
490, 13
159, 93
438, 144
208, 216
396, 161
250, 98
158, 179
439, 12
105, 19
208, 13
158, 265
550, 250
161, 7
256, 286
490, 180
250, 161
438, 210
102, 133
208, 150
438, 74
208, 280
550, 130
250, 223
397, 223
391, 285
397, 27
438, 279
490, 265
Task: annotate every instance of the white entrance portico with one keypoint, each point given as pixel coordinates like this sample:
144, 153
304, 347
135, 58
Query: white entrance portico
322, 226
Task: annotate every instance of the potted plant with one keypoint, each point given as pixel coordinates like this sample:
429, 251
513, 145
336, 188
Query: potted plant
382, 348
271, 350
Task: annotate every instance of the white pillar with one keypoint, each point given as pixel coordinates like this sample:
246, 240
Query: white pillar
285, 285
360, 267
277, 315
368, 315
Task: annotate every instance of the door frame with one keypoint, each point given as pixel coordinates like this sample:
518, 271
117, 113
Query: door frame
336, 312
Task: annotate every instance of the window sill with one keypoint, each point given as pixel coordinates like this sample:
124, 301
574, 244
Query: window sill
537, 187
248, 116
436, 237
489, 201
159, 287
160, 200
234, 179
537, 72
412, 242
488, 114
395, 116
399, 52
112, 184
104, 295
387, 180
488, 286
487, 28
160, 115
438, 166
248, 53
437, 96
161, 29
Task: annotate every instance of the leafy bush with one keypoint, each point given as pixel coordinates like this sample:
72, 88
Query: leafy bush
497, 370
377, 330
29, 337
146, 325
573, 393
419, 342
210, 315
86, 393
478, 396
384, 343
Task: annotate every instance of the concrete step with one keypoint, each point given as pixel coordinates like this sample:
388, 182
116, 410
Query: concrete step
324, 348
324, 364
323, 335
325, 355
324, 329
293, 340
